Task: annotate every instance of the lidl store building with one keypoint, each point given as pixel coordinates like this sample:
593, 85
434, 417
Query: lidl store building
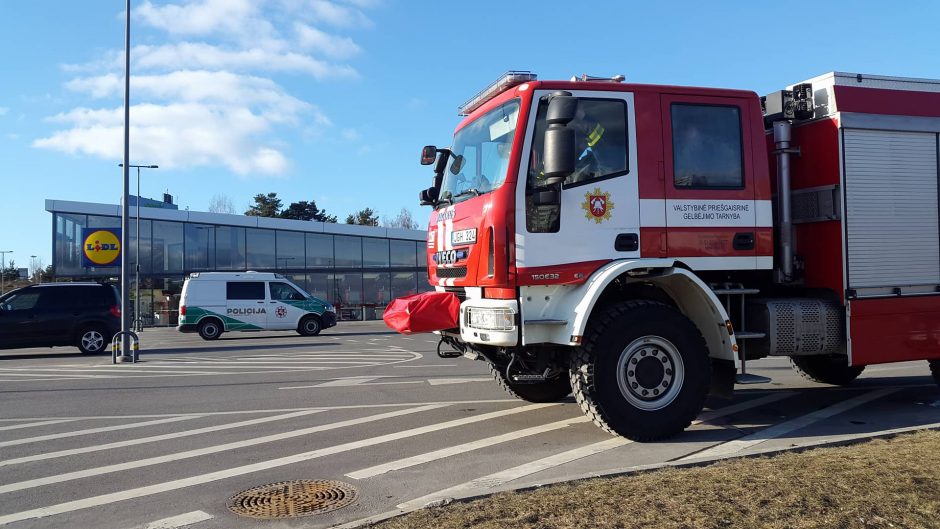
359, 269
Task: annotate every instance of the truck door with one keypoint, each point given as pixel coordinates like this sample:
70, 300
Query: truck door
712, 216
596, 215
245, 306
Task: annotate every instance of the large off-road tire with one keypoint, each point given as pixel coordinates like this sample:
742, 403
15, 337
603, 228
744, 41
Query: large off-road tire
826, 369
210, 329
551, 390
93, 340
643, 370
935, 370
310, 326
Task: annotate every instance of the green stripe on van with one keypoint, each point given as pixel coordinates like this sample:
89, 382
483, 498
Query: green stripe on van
194, 314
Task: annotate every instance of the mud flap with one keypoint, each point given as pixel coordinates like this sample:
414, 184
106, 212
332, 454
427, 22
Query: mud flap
723, 373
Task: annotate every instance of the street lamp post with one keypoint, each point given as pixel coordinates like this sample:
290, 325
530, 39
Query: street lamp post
138, 322
32, 264
3, 268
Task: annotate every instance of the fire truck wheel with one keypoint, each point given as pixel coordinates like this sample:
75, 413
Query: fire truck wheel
643, 371
551, 390
826, 369
935, 370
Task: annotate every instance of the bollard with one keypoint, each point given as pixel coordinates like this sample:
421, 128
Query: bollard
116, 348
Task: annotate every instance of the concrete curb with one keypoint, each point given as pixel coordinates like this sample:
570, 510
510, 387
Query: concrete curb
627, 471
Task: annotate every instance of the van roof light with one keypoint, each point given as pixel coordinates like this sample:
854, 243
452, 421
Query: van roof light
505, 82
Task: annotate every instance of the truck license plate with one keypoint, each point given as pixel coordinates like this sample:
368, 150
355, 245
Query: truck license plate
464, 236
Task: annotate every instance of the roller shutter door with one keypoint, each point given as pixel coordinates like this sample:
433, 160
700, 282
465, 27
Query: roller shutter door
891, 208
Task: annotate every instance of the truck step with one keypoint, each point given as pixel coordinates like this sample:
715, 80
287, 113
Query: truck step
736, 291
528, 379
748, 335
747, 378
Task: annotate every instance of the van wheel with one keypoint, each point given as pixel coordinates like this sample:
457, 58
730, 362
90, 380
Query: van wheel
210, 329
643, 371
309, 326
92, 340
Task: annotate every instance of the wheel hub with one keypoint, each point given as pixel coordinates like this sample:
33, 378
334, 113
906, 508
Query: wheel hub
650, 372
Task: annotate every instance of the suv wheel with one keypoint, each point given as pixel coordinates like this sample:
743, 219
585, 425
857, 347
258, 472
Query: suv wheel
91, 341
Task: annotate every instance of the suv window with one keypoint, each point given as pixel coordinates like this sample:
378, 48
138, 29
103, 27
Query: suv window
21, 301
94, 296
244, 290
283, 291
706, 146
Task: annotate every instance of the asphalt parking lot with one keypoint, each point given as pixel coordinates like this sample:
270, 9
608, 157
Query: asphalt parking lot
168, 441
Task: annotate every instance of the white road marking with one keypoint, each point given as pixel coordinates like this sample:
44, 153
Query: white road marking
89, 431
33, 424
139, 492
777, 430
275, 410
174, 522
107, 469
155, 438
425, 365
462, 448
511, 474
445, 381
505, 476
8, 374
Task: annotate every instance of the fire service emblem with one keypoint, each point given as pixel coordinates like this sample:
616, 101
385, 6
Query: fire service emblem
597, 205
281, 312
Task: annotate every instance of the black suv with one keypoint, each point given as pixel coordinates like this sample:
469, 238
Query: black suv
86, 315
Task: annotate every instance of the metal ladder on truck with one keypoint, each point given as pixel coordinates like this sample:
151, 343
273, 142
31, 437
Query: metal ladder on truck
731, 295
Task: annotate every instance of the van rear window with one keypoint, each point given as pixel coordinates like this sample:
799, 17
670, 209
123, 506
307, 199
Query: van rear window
244, 290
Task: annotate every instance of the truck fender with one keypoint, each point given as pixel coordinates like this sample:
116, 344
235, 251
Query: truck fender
692, 296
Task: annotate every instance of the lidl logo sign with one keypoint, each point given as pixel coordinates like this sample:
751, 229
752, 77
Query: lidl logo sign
101, 247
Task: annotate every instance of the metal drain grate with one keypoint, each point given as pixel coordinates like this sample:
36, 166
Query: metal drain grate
290, 499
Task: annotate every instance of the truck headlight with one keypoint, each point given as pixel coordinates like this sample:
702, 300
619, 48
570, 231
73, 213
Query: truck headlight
491, 319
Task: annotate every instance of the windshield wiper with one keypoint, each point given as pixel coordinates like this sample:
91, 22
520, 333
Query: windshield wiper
470, 191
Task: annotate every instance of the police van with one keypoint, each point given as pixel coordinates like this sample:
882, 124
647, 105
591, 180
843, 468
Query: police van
216, 302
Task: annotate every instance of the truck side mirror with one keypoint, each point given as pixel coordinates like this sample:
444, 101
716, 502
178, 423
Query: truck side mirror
428, 154
559, 156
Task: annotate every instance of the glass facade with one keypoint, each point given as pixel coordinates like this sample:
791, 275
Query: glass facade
360, 275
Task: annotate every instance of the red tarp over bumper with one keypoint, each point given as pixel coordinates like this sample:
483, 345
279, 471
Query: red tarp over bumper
426, 312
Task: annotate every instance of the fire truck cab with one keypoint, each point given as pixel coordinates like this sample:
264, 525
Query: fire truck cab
639, 244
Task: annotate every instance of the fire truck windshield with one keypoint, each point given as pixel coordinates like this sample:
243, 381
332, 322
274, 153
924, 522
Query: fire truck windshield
480, 156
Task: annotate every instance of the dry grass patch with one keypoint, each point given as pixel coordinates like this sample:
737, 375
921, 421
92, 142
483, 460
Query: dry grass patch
879, 484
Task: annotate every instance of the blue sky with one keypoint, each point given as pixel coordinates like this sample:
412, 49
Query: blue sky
332, 100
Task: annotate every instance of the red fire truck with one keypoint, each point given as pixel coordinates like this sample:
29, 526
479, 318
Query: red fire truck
637, 245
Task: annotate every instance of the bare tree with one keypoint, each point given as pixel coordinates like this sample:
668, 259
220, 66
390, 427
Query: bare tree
221, 203
402, 220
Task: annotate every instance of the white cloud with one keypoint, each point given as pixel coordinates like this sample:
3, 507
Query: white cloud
232, 18
313, 39
206, 94
192, 55
175, 135
337, 15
